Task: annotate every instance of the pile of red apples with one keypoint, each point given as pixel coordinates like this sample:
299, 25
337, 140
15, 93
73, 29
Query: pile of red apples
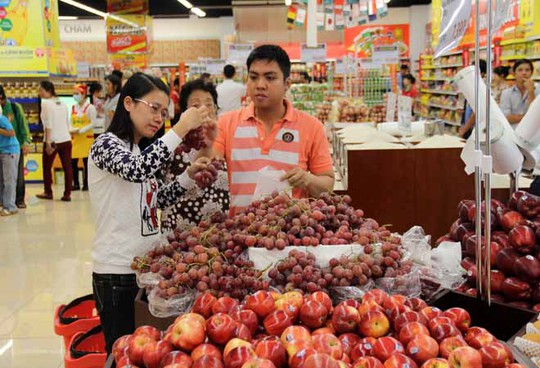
271, 330
515, 253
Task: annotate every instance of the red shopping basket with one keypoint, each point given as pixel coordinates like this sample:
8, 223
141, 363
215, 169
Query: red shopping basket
86, 350
78, 316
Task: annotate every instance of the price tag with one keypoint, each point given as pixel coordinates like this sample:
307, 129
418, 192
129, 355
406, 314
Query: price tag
455, 21
405, 113
313, 54
391, 106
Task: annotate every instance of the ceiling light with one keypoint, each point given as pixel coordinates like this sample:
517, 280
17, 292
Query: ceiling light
85, 7
186, 3
198, 12
67, 17
288, 2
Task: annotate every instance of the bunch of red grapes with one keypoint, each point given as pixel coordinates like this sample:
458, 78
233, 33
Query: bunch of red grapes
208, 175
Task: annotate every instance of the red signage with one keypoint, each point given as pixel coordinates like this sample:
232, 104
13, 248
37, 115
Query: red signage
370, 36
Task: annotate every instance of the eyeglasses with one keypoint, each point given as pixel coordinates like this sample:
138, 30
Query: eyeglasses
156, 109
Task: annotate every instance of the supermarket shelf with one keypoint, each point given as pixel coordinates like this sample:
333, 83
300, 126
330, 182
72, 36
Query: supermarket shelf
513, 42
514, 57
24, 100
452, 108
448, 66
437, 92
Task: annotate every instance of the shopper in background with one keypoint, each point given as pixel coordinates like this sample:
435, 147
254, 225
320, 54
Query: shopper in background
126, 195
175, 98
468, 119
230, 92
125, 76
113, 86
94, 91
83, 120
403, 71
409, 88
203, 202
14, 112
56, 140
9, 160
206, 77
515, 101
498, 82
271, 132
117, 73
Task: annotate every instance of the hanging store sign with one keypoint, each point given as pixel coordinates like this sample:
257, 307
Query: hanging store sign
456, 15
313, 54
128, 34
238, 53
127, 6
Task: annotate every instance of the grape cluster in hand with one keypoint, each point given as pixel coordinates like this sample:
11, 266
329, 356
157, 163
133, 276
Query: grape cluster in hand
206, 177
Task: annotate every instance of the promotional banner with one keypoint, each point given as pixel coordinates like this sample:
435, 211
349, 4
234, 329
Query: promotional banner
456, 15
61, 63
129, 61
50, 23
21, 61
313, 54
127, 6
128, 34
382, 35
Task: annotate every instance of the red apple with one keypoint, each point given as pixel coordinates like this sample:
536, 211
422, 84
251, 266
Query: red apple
124, 362
272, 349
367, 362
495, 250
495, 355
261, 302
206, 350
422, 348
120, 345
481, 339
345, 318
292, 310
177, 357
258, 363
522, 238
527, 268
323, 298
155, 352
516, 289
351, 303
207, 362
463, 209
450, 344
238, 356
384, 347
203, 304
467, 263
444, 330
313, 314
377, 295
374, 324
430, 312
224, 305
276, 322
349, 341
472, 275
529, 205
442, 319
398, 360
242, 332
295, 333
460, 317
436, 363
410, 330
368, 306
363, 348
136, 346
328, 344
512, 203
235, 343
319, 360
461, 230
509, 218
187, 333
465, 357
497, 279
506, 259
416, 304
323, 330
298, 359
409, 316
151, 331
247, 317
220, 328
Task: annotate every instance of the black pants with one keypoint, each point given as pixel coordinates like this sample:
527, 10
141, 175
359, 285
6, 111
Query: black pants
115, 297
535, 186
21, 187
75, 168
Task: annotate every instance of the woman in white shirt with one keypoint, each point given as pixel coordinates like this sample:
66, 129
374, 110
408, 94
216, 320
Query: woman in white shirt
113, 86
56, 140
126, 195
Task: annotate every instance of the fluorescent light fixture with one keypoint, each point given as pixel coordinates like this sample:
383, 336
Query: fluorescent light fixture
186, 3
198, 12
85, 7
6, 347
288, 2
66, 17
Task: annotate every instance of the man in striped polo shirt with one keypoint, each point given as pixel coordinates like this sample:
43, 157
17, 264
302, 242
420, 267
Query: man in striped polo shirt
270, 132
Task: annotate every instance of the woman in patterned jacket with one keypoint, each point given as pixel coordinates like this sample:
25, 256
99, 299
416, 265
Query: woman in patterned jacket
197, 203
126, 195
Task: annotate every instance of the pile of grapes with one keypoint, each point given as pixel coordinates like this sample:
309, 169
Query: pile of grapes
194, 139
211, 257
208, 176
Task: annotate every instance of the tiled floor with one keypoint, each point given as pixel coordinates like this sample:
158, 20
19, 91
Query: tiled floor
44, 261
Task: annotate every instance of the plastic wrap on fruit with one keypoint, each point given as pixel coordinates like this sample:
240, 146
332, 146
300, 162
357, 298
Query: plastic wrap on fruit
417, 243
515, 198
529, 205
172, 306
342, 293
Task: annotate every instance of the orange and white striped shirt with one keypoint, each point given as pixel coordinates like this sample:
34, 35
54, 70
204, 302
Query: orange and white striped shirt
297, 140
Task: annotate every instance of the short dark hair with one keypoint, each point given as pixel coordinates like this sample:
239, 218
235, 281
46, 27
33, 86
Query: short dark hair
94, 87
410, 77
196, 85
115, 81
271, 53
176, 81
48, 86
118, 73
502, 71
136, 87
404, 66
521, 62
229, 71
482, 66
205, 75
2, 93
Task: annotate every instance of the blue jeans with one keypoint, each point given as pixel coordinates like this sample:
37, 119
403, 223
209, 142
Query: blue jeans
9, 163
